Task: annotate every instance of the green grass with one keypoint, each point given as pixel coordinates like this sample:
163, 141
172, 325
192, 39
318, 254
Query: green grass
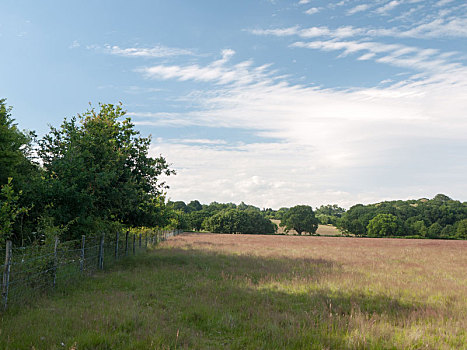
193, 298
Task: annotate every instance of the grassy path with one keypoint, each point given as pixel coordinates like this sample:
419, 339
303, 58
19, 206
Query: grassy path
260, 292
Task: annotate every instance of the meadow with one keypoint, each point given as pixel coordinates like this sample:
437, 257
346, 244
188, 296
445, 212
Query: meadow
211, 291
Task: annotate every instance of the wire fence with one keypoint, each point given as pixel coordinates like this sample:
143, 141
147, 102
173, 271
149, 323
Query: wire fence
28, 272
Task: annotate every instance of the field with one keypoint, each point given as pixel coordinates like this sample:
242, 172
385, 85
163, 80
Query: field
211, 291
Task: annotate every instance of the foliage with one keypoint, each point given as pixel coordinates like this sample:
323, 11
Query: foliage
10, 209
15, 149
384, 225
239, 221
329, 214
98, 170
435, 218
300, 218
461, 231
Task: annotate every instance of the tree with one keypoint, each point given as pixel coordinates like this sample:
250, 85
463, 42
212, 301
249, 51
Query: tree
98, 170
179, 205
194, 206
15, 149
9, 210
300, 218
461, 230
419, 228
248, 221
197, 218
434, 230
385, 225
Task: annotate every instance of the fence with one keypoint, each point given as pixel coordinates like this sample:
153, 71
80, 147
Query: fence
38, 269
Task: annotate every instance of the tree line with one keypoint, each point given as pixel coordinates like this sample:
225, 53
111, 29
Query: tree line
243, 218
91, 174
440, 217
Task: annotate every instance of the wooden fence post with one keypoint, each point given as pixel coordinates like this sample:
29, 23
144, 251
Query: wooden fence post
116, 244
101, 253
6, 273
81, 263
126, 242
140, 240
146, 241
55, 261
134, 244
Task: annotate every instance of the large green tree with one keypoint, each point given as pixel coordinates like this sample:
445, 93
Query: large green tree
99, 170
300, 218
247, 221
385, 225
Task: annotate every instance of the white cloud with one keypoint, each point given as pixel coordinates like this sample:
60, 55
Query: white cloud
358, 8
156, 51
312, 11
304, 2
216, 72
358, 145
276, 32
388, 7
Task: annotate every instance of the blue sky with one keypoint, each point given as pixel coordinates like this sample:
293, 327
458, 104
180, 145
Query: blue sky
274, 103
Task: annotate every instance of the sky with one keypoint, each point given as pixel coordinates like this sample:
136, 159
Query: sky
270, 102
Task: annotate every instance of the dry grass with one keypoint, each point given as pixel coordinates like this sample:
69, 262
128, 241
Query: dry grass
422, 282
211, 291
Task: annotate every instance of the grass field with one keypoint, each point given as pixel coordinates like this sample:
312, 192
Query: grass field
207, 291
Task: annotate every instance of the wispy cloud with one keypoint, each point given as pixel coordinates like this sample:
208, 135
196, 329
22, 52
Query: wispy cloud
358, 8
312, 11
156, 51
388, 7
216, 72
371, 135
426, 60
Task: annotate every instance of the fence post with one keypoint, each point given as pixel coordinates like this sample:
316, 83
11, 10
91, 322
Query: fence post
81, 263
55, 261
116, 244
101, 253
126, 242
134, 244
6, 273
146, 241
140, 240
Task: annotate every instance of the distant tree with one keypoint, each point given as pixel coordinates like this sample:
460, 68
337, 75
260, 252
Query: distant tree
385, 225
434, 230
196, 219
300, 218
442, 198
419, 228
461, 230
194, 206
179, 205
239, 221
448, 231
280, 213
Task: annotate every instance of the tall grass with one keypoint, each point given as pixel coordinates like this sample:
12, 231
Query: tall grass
204, 291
